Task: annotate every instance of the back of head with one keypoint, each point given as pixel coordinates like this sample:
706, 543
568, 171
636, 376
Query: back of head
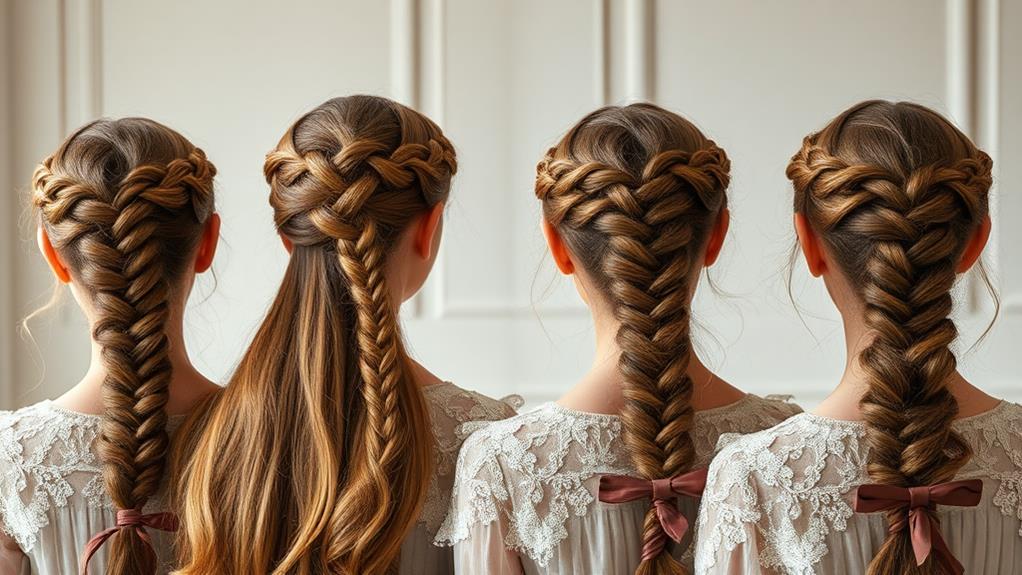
635, 191
317, 455
895, 191
124, 203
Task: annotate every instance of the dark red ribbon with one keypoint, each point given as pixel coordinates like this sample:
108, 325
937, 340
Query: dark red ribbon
129, 519
664, 494
920, 502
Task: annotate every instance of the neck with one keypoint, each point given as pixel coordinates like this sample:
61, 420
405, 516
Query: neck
600, 389
843, 402
187, 385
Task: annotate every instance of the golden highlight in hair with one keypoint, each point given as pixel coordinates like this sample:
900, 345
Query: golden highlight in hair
895, 191
635, 192
124, 203
316, 457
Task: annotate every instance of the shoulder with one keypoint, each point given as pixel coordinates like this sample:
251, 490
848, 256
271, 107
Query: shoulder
46, 457
805, 467
533, 471
718, 426
458, 405
43, 426
996, 441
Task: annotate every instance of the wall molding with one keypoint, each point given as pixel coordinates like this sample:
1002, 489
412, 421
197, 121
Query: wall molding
8, 227
81, 60
638, 50
601, 54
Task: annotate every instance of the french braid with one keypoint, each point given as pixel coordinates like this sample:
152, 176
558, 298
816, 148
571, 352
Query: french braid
127, 235
345, 181
635, 191
894, 190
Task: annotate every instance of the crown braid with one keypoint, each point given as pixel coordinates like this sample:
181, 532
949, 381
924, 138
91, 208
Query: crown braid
909, 227
650, 223
115, 243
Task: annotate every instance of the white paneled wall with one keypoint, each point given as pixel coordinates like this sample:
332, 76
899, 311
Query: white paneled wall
505, 79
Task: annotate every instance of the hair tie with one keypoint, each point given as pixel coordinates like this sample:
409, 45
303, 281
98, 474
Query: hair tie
662, 492
129, 519
924, 529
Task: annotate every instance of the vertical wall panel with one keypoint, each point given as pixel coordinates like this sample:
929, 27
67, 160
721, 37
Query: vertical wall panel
505, 80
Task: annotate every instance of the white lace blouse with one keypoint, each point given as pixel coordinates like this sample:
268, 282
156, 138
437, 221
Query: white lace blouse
52, 498
780, 501
525, 493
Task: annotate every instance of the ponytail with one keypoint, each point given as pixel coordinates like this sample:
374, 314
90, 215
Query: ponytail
328, 433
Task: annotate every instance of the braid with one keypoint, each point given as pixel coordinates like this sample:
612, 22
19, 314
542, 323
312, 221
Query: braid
118, 250
350, 191
653, 223
914, 222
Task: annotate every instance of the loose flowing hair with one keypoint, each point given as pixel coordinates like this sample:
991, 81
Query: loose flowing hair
895, 191
124, 203
635, 192
316, 456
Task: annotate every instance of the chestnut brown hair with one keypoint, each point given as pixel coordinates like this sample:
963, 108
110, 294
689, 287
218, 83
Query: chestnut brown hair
635, 191
895, 191
124, 203
316, 456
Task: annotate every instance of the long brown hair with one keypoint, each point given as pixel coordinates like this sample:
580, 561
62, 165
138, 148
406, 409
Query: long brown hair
124, 203
635, 191
316, 456
895, 191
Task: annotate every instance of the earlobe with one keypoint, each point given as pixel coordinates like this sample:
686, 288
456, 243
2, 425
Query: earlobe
52, 257
558, 249
426, 230
974, 248
716, 241
810, 243
208, 244
286, 242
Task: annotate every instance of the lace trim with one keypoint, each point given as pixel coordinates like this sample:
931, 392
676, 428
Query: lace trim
452, 408
536, 470
48, 458
805, 469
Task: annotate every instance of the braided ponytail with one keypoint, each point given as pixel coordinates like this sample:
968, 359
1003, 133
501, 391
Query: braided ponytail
635, 192
124, 203
325, 424
895, 191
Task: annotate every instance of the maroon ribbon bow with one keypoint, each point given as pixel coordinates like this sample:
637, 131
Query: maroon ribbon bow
663, 492
129, 519
924, 529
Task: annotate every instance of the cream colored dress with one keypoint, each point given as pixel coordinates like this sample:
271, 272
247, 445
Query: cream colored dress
52, 498
780, 501
525, 493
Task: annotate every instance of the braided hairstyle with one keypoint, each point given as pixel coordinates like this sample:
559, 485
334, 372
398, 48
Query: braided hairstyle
316, 457
124, 203
895, 191
635, 191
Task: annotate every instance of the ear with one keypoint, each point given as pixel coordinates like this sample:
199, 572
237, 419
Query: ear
52, 257
558, 249
287, 242
812, 249
717, 235
426, 230
207, 245
974, 248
